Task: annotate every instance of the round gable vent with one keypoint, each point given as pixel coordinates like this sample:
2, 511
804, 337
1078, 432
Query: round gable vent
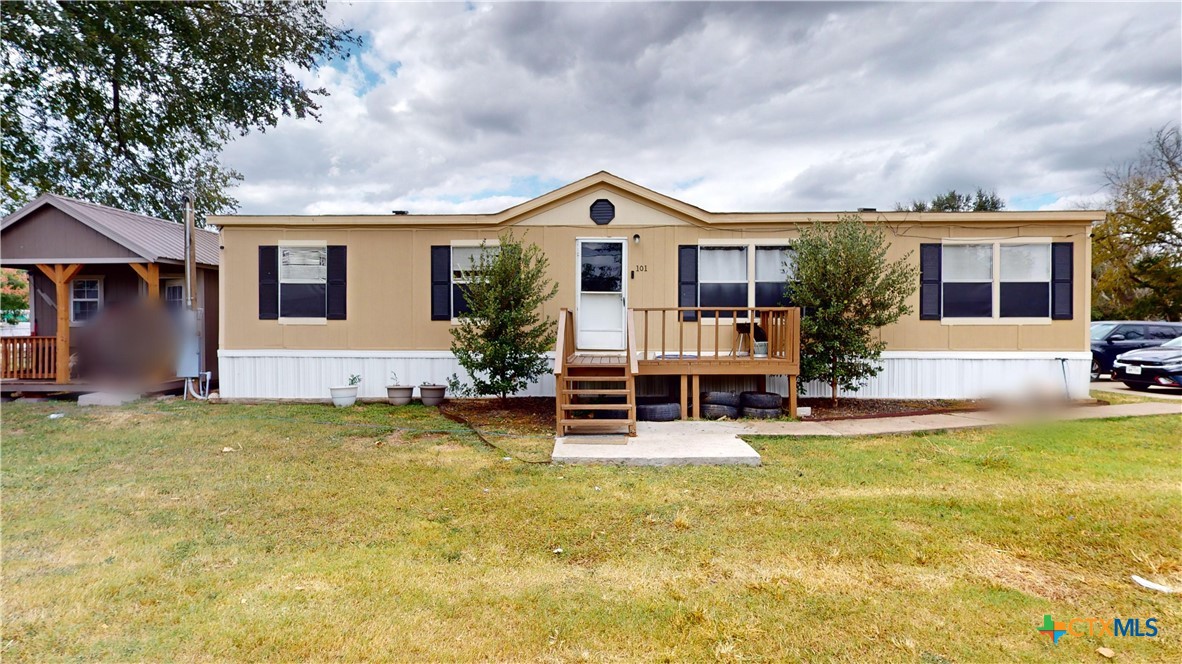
602, 211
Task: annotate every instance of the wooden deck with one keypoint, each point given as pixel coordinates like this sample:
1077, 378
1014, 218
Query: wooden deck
688, 342
596, 360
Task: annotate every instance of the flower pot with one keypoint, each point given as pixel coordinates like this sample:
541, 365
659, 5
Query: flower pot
343, 397
399, 395
760, 349
432, 395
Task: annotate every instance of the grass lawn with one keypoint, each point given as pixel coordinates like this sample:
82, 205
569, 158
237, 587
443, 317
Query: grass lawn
380, 533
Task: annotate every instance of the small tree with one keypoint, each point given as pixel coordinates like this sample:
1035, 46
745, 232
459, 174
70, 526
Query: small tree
849, 290
502, 340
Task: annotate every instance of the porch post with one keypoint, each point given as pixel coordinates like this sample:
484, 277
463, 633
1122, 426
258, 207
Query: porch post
792, 396
62, 275
150, 273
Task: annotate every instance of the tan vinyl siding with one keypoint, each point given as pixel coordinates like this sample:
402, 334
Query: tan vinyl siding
389, 269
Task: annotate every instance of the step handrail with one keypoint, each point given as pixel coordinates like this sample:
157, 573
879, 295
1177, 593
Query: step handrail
633, 367
560, 350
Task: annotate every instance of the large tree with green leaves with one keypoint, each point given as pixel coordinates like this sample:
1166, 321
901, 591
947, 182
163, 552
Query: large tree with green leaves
116, 101
952, 201
502, 339
849, 290
1137, 249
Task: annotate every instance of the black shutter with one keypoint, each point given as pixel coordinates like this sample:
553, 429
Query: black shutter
1061, 286
929, 281
441, 283
337, 265
687, 279
269, 282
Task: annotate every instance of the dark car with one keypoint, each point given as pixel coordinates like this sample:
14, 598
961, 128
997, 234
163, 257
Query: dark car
1142, 369
1111, 338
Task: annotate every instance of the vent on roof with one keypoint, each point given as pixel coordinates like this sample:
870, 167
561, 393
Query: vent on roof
867, 209
399, 212
602, 211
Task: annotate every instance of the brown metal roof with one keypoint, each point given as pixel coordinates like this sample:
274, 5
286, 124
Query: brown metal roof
151, 238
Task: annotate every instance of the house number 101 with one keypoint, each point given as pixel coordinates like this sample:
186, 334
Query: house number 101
642, 268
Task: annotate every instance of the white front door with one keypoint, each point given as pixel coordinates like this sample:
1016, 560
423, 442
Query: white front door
601, 293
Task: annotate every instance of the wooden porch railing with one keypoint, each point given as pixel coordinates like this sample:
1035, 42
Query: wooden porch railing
728, 336
28, 358
564, 345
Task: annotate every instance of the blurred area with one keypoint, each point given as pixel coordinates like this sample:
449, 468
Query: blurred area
129, 345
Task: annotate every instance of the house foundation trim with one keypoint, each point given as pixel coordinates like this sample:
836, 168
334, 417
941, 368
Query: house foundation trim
307, 374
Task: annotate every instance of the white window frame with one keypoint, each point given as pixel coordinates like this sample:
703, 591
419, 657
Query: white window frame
752, 246
170, 283
453, 281
300, 244
995, 307
74, 322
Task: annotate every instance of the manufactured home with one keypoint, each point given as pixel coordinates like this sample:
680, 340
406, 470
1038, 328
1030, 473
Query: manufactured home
682, 298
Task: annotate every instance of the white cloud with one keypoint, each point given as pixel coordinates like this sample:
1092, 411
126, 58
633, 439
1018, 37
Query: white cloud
731, 106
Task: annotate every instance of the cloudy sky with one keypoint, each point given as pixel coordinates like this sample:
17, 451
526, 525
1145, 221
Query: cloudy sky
732, 107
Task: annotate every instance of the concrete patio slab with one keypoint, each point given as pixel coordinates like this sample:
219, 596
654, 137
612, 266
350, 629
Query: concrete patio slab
664, 444
106, 399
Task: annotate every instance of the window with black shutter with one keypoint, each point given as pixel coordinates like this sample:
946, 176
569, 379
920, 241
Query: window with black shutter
774, 268
968, 280
996, 280
722, 279
452, 269
303, 282
1025, 274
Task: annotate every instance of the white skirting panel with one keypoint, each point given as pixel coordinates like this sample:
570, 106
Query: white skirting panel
968, 375
301, 374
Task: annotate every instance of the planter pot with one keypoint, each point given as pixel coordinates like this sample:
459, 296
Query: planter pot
343, 397
432, 395
399, 395
760, 349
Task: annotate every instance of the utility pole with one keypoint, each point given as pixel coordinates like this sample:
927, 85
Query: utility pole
190, 253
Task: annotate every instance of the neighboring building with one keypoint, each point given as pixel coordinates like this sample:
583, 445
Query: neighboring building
93, 257
308, 300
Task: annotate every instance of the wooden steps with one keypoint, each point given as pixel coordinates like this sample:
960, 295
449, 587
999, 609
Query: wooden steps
596, 393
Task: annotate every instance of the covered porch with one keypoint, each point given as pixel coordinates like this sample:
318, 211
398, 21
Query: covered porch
41, 363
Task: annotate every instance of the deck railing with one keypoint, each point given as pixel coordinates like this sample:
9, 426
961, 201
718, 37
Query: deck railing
28, 358
707, 334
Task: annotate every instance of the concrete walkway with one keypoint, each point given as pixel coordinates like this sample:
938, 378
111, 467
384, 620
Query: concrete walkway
1120, 388
703, 442
889, 425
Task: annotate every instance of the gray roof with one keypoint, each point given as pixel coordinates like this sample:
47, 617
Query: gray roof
151, 238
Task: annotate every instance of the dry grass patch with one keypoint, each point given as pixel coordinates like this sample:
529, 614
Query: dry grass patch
394, 533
